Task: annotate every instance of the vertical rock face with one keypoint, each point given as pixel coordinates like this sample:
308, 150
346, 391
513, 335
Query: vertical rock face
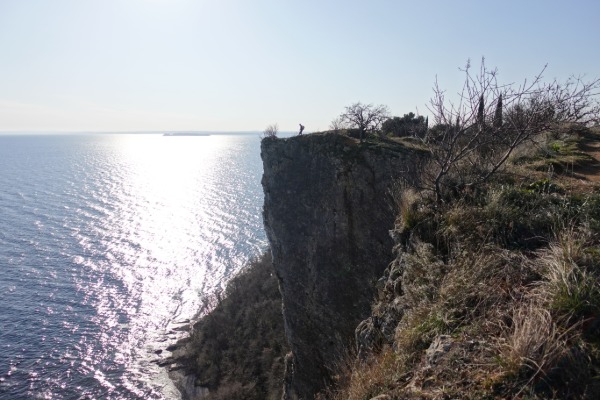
327, 213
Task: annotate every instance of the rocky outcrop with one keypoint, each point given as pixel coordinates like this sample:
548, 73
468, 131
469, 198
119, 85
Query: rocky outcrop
187, 385
328, 211
380, 328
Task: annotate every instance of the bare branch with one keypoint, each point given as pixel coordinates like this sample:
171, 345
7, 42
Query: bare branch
491, 120
364, 117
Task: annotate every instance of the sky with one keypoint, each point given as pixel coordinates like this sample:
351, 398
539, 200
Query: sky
240, 65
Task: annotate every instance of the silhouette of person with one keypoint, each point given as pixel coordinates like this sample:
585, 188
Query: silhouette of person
301, 129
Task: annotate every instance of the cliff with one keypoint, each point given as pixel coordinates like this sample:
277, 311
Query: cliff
493, 293
328, 212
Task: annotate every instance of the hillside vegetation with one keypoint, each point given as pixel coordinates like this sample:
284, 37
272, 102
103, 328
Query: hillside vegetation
495, 292
237, 350
493, 287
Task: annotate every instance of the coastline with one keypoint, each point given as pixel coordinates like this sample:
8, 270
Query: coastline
171, 360
237, 349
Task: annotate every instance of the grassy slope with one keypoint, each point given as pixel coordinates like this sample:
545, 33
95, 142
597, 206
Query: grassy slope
499, 289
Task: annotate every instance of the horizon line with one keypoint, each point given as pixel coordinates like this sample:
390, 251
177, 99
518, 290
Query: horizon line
136, 131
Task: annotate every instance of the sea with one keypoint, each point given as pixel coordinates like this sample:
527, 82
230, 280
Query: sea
109, 245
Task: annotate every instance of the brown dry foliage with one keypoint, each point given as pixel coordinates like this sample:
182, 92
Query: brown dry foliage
514, 268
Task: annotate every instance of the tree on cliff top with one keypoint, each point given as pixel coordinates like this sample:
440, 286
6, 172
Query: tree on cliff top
271, 131
409, 125
474, 137
364, 117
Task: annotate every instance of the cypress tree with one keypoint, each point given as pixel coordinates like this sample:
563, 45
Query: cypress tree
498, 113
480, 119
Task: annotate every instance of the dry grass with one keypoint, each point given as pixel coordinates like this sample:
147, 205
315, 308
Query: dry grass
407, 205
512, 267
542, 351
571, 274
364, 380
533, 341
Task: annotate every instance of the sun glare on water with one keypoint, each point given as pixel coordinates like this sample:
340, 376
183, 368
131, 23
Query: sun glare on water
162, 241
114, 240
166, 178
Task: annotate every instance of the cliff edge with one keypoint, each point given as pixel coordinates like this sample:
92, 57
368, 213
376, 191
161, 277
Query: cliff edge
328, 211
493, 293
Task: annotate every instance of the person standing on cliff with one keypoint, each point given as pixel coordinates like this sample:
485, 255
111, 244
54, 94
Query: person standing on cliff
301, 129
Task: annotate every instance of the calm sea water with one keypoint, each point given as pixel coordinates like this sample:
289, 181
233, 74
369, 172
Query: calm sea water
106, 241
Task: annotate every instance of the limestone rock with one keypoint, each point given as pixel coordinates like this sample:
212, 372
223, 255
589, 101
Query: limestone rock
450, 359
187, 385
327, 214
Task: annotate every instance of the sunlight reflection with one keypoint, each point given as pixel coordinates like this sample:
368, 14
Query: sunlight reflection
171, 223
171, 218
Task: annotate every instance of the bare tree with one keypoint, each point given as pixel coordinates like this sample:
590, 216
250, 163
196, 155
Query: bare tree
338, 125
364, 117
271, 131
474, 137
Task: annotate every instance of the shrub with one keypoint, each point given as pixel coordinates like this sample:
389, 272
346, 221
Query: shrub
271, 131
408, 125
475, 136
237, 350
371, 377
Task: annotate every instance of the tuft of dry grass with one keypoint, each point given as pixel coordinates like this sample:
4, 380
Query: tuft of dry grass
571, 282
408, 207
533, 341
363, 380
542, 352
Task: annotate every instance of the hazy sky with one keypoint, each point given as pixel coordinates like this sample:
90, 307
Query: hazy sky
120, 65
